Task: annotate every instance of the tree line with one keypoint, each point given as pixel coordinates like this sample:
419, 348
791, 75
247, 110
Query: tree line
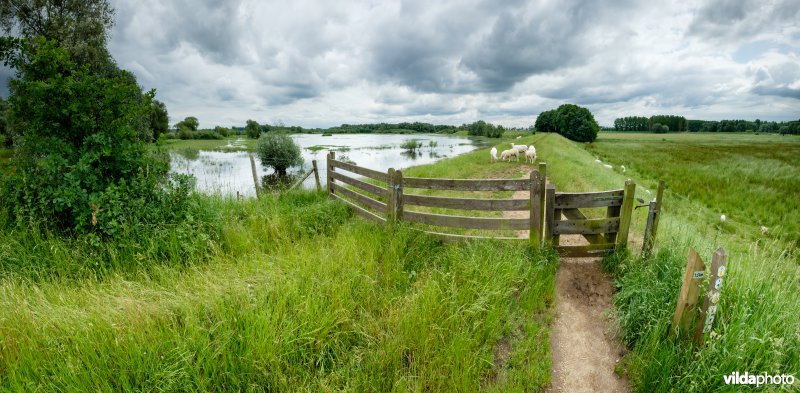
672, 123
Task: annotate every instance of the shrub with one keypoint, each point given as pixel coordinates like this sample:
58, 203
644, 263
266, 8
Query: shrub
576, 123
81, 162
252, 129
279, 152
411, 145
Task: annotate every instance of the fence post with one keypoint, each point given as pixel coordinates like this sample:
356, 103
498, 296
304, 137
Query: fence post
331, 157
316, 174
705, 318
536, 211
542, 184
398, 195
391, 196
686, 309
626, 211
255, 176
550, 199
653, 214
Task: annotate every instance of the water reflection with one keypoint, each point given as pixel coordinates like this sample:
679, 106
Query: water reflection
228, 172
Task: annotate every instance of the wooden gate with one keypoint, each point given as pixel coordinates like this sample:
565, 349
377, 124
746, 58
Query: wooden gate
385, 198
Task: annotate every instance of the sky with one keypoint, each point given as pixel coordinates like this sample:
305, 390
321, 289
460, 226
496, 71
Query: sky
324, 63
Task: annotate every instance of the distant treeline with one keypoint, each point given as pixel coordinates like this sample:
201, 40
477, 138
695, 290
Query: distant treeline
672, 123
392, 128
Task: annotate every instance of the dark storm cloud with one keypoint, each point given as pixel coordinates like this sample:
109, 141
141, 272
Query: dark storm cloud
777, 91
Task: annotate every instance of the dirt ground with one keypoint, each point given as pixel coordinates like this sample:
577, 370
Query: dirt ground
583, 346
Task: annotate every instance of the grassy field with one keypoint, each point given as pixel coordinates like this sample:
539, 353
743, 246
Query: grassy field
758, 322
292, 294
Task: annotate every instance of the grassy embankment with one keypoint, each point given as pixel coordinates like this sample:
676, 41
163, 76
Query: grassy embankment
288, 294
758, 323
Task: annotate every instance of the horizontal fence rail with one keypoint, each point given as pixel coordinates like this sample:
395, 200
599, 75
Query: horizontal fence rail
550, 213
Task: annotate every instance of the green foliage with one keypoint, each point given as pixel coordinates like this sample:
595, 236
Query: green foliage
222, 131
482, 128
190, 124
80, 27
278, 151
546, 121
81, 162
159, 119
252, 129
5, 134
659, 128
411, 145
576, 123
185, 134
632, 123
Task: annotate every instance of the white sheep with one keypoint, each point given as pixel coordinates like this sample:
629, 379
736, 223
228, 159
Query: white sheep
764, 231
493, 153
530, 155
519, 148
506, 155
608, 166
519, 137
598, 161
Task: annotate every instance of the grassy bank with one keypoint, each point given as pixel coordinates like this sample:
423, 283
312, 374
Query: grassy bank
758, 322
293, 294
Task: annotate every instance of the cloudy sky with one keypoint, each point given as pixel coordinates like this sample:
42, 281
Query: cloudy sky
323, 63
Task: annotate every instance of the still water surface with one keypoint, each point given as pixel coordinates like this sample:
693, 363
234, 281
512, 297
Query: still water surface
226, 172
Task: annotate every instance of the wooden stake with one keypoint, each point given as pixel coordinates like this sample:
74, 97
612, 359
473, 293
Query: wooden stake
255, 176
331, 157
626, 212
542, 196
391, 196
550, 212
686, 309
535, 210
705, 318
316, 174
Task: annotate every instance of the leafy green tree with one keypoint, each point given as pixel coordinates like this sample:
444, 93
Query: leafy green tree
279, 152
546, 122
81, 162
252, 129
576, 123
5, 135
189, 124
222, 131
81, 27
159, 119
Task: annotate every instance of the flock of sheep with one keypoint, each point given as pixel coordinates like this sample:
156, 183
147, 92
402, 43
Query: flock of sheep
515, 151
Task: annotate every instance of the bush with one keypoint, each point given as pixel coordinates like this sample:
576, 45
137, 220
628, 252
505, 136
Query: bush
252, 129
279, 152
576, 123
411, 145
82, 164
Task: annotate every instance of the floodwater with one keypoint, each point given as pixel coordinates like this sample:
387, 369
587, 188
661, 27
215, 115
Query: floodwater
229, 172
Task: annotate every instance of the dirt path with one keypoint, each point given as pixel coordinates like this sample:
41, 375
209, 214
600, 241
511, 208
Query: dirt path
584, 351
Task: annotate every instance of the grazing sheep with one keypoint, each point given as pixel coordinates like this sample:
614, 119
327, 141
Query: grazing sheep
608, 166
722, 218
764, 231
598, 161
530, 155
506, 155
493, 152
519, 137
623, 168
519, 148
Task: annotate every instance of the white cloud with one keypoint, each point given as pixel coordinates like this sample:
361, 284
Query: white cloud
315, 63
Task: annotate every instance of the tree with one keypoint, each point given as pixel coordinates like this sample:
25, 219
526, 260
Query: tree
81, 27
279, 152
190, 124
576, 123
252, 129
159, 119
81, 163
546, 122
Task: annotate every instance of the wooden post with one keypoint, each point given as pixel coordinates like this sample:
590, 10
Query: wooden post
626, 211
398, 194
331, 157
550, 199
542, 185
391, 196
653, 215
536, 211
686, 309
316, 174
255, 176
705, 318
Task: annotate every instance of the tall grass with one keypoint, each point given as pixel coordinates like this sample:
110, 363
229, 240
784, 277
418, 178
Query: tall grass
295, 295
758, 321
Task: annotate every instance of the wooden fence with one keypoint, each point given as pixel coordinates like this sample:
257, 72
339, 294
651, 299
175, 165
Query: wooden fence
387, 199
